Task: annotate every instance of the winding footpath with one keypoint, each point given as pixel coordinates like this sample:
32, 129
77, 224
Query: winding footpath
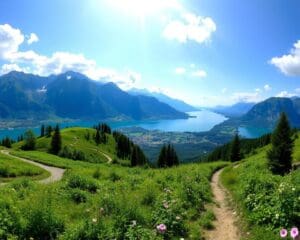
225, 223
56, 174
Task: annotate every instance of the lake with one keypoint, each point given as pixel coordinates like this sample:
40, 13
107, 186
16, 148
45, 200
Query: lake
253, 132
201, 121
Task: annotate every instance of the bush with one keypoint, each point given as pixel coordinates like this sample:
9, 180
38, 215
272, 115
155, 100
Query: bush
10, 220
76, 181
66, 152
114, 177
78, 196
42, 222
97, 174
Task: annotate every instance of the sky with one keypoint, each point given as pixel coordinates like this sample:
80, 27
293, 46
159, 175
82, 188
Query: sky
205, 52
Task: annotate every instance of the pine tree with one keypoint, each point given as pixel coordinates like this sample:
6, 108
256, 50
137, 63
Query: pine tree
56, 141
42, 130
167, 157
48, 131
280, 155
161, 162
235, 154
97, 137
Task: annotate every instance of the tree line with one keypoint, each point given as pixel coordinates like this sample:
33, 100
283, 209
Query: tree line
279, 156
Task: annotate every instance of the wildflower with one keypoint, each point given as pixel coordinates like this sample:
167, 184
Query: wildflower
166, 205
94, 220
178, 217
101, 210
294, 232
161, 228
283, 233
133, 223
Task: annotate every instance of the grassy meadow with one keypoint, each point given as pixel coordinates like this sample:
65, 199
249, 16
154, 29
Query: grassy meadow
266, 202
100, 200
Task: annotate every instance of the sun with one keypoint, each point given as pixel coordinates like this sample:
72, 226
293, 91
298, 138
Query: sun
143, 8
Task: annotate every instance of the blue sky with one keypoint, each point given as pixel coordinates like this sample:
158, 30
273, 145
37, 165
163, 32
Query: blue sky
206, 52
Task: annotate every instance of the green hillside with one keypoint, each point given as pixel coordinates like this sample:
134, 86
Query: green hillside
76, 139
97, 200
266, 202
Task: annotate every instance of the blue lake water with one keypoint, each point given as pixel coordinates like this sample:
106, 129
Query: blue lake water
253, 132
202, 121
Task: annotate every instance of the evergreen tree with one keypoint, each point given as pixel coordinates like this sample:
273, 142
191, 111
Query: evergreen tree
48, 131
97, 137
280, 155
29, 140
167, 157
56, 141
162, 159
42, 130
138, 157
235, 151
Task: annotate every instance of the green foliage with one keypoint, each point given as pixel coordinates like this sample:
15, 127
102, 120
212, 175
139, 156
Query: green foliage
10, 220
247, 146
280, 155
6, 142
42, 131
83, 183
11, 167
137, 157
269, 202
48, 131
167, 157
42, 222
78, 196
235, 151
66, 152
56, 141
29, 140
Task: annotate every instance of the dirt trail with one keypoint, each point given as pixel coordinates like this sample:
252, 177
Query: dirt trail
56, 173
225, 223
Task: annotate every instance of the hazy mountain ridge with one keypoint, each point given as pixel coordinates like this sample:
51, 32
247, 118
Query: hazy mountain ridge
235, 110
73, 95
179, 105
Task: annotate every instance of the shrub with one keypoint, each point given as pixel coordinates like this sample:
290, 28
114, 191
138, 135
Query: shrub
78, 196
97, 174
114, 177
10, 220
76, 181
42, 222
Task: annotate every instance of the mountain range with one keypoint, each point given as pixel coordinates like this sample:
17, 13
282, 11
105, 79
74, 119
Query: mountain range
235, 110
179, 105
73, 95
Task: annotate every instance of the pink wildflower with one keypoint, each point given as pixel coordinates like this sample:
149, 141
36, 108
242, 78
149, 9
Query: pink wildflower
283, 233
161, 228
294, 232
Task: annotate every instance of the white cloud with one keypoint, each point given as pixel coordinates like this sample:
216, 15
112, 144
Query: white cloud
267, 87
6, 68
285, 94
180, 70
246, 97
199, 74
289, 64
190, 27
258, 90
10, 40
58, 62
32, 38
224, 90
